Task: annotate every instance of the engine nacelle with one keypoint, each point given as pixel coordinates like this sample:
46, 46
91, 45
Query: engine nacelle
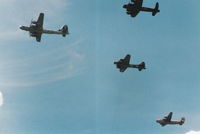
33, 22
125, 6
32, 35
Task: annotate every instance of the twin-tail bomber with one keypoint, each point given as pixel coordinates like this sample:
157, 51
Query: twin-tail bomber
135, 6
167, 120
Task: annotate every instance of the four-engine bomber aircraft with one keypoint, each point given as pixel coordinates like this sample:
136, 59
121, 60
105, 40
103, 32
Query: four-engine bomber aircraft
167, 120
123, 64
135, 6
36, 29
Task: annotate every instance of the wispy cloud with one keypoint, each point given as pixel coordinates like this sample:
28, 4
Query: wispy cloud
56, 64
193, 132
19, 12
46, 66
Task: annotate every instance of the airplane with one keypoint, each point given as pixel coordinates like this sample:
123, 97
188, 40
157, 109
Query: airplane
123, 64
36, 29
135, 6
167, 120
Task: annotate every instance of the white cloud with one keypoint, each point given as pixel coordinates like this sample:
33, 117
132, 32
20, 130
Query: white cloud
193, 132
1, 98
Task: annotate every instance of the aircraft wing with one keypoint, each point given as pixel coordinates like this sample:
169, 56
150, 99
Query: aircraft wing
133, 14
38, 37
169, 117
40, 20
137, 1
127, 59
122, 69
162, 124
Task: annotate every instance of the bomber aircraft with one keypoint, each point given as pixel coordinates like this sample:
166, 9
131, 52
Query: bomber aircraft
36, 29
123, 64
167, 120
135, 6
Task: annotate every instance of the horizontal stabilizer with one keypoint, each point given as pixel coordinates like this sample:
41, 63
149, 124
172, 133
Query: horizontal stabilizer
64, 30
156, 9
182, 121
141, 66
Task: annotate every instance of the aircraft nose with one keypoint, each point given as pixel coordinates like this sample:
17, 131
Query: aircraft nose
124, 6
21, 27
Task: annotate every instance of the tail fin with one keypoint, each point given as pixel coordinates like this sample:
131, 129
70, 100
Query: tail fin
156, 9
141, 66
64, 30
182, 121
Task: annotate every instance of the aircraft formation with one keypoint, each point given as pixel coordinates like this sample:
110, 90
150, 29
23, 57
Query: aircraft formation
132, 8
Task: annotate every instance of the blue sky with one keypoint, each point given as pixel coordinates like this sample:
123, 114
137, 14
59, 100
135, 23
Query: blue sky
70, 85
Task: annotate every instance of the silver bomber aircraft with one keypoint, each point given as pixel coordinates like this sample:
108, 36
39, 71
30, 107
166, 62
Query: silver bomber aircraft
167, 120
135, 6
123, 64
36, 29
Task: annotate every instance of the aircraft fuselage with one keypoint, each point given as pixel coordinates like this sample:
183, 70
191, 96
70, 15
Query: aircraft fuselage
34, 30
162, 122
121, 65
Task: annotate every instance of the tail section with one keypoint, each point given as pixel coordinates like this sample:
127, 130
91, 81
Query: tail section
141, 66
182, 121
64, 30
156, 9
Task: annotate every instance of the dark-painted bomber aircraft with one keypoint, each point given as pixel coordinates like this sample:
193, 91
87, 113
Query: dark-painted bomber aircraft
123, 64
135, 6
167, 120
36, 29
